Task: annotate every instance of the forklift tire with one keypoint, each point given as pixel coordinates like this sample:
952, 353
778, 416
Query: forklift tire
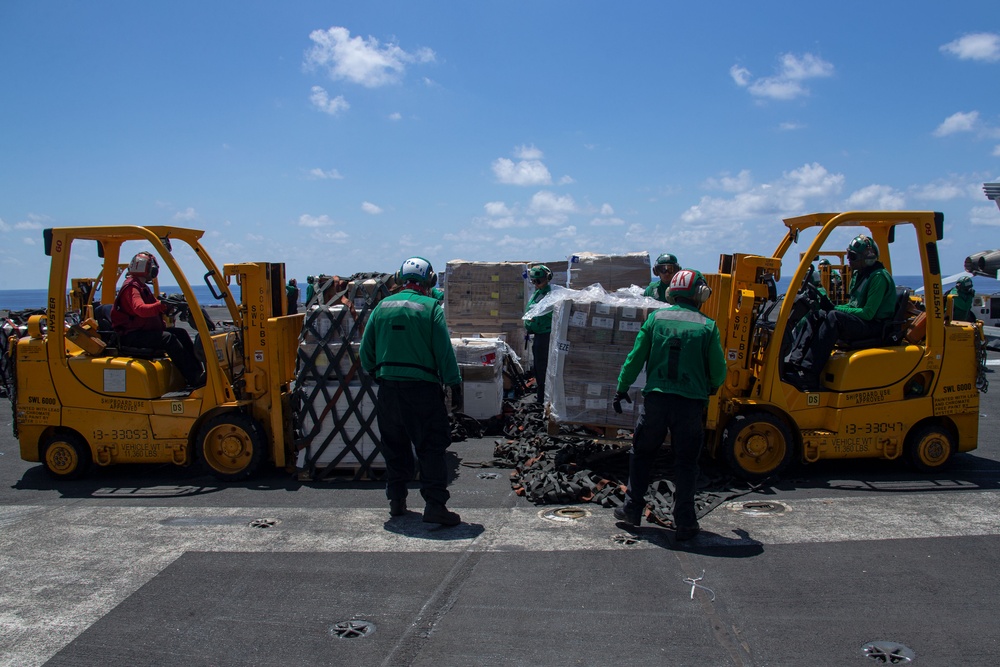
65, 455
757, 445
929, 447
230, 446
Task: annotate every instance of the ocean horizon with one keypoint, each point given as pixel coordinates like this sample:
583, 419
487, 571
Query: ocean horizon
25, 299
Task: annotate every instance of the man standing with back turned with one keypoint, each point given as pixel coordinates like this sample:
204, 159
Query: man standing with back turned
682, 353
407, 349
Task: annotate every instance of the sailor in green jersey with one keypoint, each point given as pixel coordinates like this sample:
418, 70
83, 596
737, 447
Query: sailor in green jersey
407, 349
836, 280
964, 293
310, 289
871, 302
438, 294
539, 327
681, 351
665, 268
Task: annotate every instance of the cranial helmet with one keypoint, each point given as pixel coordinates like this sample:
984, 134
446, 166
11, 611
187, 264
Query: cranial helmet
689, 284
863, 248
417, 270
144, 267
667, 258
539, 272
964, 285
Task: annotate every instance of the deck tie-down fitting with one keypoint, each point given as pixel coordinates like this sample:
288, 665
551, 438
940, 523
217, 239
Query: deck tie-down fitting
694, 584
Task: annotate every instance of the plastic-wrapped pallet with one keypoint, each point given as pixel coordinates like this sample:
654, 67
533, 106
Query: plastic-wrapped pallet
345, 435
612, 272
480, 361
592, 334
487, 297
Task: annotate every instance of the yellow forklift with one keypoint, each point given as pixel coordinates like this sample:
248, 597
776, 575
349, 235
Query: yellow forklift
82, 399
912, 393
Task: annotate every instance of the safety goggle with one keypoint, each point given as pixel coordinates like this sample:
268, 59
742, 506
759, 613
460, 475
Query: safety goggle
851, 255
537, 281
663, 268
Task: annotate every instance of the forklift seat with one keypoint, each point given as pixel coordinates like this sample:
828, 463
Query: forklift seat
113, 346
893, 329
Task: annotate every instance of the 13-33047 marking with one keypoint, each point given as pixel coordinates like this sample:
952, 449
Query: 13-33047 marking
873, 427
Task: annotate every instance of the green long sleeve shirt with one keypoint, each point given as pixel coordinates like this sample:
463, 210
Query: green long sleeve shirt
542, 323
406, 338
681, 351
872, 295
658, 290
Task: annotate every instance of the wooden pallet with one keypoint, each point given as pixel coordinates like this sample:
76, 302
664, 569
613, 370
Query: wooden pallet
342, 473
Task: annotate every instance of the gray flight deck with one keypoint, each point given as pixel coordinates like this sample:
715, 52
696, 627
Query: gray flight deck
157, 565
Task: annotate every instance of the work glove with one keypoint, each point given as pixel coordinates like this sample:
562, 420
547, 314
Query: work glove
617, 402
456, 397
824, 303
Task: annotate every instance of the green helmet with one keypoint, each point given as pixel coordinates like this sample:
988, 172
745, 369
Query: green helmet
417, 270
824, 262
964, 285
667, 258
863, 248
688, 284
539, 272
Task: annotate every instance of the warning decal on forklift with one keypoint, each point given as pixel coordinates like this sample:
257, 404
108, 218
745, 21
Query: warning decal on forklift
732, 355
258, 356
114, 380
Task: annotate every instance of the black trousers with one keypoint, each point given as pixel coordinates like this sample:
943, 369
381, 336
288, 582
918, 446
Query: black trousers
682, 417
176, 342
818, 335
412, 418
540, 354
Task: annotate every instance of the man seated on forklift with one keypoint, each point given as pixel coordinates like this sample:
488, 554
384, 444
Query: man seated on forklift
137, 318
871, 302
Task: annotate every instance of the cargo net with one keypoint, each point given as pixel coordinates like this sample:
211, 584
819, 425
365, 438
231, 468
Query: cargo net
334, 401
576, 466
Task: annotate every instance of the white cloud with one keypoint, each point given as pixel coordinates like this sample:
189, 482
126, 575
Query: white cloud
187, 214
306, 220
939, 191
790, 126
370, 208
727, 183
395, 116
4, 227
331, 236
985, 216
984, 46
566, 232
362, 61
525, 172
607, 222
329, 174
957, 122
810, 187
607, 210
528, 153
788, 82
28, 224
545, 203
496, 208
28, 240
321, 100
877, 198
566, 180
996, 151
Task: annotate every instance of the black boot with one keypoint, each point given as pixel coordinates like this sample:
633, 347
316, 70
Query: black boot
435, 513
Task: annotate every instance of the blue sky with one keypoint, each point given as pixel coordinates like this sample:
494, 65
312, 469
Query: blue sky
345, 136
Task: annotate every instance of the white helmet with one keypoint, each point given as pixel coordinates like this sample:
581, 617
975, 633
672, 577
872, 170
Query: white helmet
417, 270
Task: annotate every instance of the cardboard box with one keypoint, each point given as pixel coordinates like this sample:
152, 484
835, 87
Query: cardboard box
86, 337
482, 400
